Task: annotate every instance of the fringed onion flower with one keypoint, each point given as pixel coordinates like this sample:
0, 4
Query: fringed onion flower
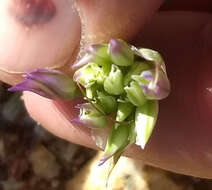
120, 82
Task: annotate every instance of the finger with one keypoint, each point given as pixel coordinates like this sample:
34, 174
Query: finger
182, 139
103, 20
55, 121
48, 33
36, 35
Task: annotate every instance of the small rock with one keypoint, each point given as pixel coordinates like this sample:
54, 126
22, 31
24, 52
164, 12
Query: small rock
18, 167
2, 149
14, 108
127, 175
3, 172
64, 151
12, 184
44, 163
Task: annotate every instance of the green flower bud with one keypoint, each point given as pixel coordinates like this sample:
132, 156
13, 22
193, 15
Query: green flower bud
96, 53
135, 94
108, 103
150, 55
132, 133
120, 53
113, 84
100, 50
90, 117
145, 120
135, 69
89, 74
90, 92
154, 83
124, 110
117, 142
100, 56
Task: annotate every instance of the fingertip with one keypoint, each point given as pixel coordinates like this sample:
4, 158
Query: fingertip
53, 119
31, 40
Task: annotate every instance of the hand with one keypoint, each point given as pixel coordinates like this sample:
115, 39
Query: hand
181, 31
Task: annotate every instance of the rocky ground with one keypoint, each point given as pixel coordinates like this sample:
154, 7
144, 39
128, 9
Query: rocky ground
33, 159
30, 157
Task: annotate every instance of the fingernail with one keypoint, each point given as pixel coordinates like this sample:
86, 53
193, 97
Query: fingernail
37, 34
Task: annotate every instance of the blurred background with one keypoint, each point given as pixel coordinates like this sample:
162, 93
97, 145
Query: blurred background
33, 159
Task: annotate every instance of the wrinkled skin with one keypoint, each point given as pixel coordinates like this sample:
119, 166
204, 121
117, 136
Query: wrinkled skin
181, 31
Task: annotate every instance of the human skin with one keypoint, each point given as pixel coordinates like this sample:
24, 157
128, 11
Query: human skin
182, 139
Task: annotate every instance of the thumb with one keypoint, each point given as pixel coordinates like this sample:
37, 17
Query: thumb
47, 33
36, 34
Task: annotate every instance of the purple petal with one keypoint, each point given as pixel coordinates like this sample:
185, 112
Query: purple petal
104, 158
76, 120
115, 46
81, 122
86, 59
48, 83
33, 86
93, 48
162, 86
84, 105
77, 75
53, 78
148, 75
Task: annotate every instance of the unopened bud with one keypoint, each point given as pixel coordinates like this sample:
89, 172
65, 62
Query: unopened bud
89, 74
120, 53
135, 94
48, 83
96, 53
155, 86
117, 142
124, 110
135, 69
150, 55
90, 117
108, 103
113, 84
100, 50
145, 120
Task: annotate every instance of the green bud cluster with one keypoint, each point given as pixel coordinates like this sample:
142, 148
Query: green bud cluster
124, 84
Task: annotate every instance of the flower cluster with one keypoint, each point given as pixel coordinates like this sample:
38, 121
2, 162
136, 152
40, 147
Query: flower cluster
122, 85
